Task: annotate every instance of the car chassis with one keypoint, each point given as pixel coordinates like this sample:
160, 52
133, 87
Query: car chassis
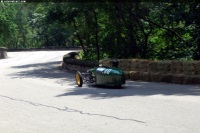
102, 75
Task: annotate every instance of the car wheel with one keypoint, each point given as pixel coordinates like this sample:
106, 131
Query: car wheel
79, 79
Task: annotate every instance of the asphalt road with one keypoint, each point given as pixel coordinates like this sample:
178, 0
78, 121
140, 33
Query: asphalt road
36, 96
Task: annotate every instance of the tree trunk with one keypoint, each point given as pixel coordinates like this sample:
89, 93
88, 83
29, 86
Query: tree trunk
96, 35
144, 50
198, 48
132, 40
79, 37
118, 32
24, 38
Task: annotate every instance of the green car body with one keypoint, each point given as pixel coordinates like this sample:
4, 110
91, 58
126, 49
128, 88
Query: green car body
108, 76
102, 75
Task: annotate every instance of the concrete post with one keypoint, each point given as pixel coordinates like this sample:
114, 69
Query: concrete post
3, 52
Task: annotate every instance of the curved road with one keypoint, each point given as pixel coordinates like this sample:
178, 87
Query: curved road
36, 96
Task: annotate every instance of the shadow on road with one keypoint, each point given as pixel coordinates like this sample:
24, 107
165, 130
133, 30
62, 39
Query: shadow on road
50, 70
134, 89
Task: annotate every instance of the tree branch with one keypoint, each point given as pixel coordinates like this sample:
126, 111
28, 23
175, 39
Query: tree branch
168, 29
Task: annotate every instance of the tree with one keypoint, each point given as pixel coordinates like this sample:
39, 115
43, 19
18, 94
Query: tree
160, 30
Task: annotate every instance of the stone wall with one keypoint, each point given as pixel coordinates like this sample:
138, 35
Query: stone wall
78, 65
46, 49
171, 71
3, 53
74, 68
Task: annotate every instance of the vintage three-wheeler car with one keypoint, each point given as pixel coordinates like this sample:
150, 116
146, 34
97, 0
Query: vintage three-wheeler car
102, 75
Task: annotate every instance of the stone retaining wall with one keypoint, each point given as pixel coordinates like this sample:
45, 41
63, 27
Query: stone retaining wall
3, 53
180, 72
46, 49
75, 68
171, 71
78, 65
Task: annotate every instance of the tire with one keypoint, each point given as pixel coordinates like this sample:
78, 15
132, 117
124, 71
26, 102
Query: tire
79, 79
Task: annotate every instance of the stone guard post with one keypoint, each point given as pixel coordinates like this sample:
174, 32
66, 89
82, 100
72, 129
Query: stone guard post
3, 52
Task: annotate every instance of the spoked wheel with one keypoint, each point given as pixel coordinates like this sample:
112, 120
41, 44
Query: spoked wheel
79, 79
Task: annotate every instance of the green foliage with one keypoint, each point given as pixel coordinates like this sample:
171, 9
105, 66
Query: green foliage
160, 30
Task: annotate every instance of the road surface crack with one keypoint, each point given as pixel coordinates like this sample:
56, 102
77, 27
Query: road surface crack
67, 109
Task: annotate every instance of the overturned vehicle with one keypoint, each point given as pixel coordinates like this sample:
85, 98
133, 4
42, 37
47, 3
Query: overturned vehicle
102, 75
